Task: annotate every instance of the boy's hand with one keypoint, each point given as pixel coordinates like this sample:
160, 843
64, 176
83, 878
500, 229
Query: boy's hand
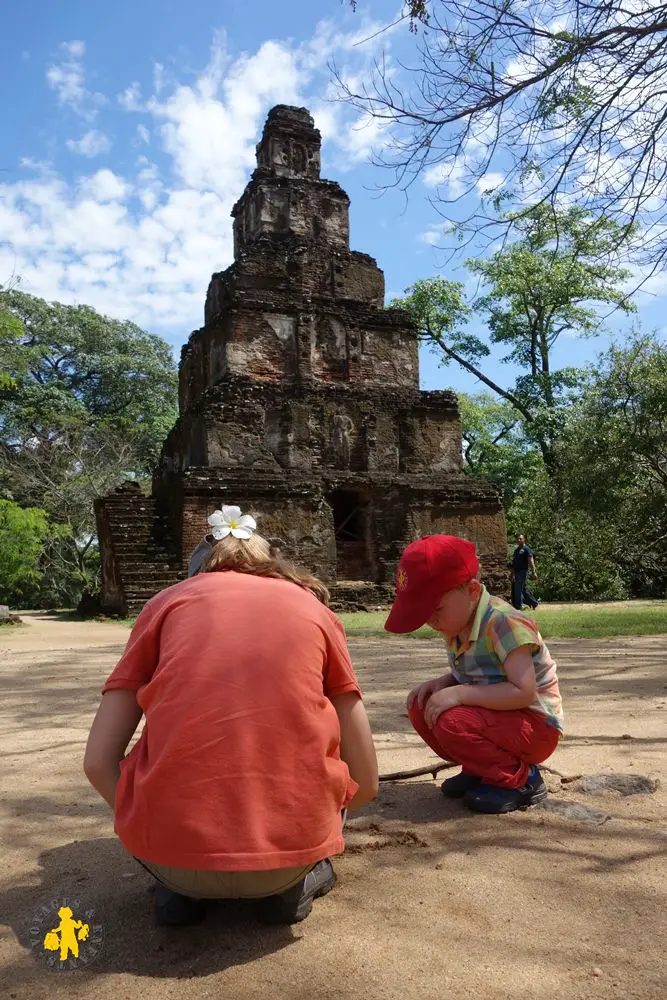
441, 701
423, 692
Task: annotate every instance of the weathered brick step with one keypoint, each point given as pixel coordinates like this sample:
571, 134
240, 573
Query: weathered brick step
141, 596
149, 548
134, 576
138, 573
142, 512
139, 507
150, 544
141, 557
134, 523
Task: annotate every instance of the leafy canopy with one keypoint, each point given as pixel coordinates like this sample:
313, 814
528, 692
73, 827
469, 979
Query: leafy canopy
555, 277
67, 369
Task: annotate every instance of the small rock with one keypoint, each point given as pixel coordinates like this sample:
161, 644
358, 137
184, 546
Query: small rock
624, 784
576, 812
439, 867
597, 972
626, 736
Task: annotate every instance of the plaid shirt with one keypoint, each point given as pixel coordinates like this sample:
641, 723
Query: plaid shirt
497, 629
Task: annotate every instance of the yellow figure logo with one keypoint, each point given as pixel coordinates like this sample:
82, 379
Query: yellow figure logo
402, 579
66, 936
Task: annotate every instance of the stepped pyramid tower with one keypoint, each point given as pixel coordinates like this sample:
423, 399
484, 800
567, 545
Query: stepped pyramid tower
299, 400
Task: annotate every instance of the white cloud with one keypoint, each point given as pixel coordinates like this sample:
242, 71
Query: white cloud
67, 79
210, 128
158, 77
491, 181
141, 243
130, 99
450, 177
362, 138
105, 186
92, 143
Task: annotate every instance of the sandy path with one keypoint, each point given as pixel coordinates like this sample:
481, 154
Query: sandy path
431, 901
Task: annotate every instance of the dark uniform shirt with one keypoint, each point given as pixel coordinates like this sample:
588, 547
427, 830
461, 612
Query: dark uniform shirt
521, 559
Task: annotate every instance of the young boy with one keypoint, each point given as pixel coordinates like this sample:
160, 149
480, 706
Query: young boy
497, 711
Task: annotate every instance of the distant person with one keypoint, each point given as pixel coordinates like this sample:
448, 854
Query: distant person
497, 711
255, 739
523, 562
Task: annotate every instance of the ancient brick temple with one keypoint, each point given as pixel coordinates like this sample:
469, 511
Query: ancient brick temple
299, 401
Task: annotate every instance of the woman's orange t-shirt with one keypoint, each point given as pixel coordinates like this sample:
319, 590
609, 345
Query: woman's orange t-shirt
238, 766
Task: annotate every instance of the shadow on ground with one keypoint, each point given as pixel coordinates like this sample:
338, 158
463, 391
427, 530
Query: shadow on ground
102, 874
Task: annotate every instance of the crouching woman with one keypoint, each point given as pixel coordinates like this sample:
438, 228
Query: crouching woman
255, 738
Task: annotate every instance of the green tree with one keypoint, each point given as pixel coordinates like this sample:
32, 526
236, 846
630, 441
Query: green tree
576, 552
22, 535
550, 281
85, 402
494, 444
73, 368
615, 452
604, 535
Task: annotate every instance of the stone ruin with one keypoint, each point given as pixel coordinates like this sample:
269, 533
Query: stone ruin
299, 400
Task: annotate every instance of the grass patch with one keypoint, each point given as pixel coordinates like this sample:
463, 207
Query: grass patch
557, 621
562, 621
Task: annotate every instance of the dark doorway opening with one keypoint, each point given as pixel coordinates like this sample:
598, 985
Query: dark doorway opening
351, 529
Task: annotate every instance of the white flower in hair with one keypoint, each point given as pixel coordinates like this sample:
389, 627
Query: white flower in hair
230, 521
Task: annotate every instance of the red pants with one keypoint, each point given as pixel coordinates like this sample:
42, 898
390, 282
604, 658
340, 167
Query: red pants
495, 746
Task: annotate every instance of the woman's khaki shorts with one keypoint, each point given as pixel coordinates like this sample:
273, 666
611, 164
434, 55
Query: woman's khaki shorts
226, 885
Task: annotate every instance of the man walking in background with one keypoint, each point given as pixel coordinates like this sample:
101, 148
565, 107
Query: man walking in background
522, 561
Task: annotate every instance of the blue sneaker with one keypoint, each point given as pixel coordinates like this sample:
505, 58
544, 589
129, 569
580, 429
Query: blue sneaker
496, 799
456, 787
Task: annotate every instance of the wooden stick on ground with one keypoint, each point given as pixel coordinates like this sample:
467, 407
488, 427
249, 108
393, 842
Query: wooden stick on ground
434, 769
416, 771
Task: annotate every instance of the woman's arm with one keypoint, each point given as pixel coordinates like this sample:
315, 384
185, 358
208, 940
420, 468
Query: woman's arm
356, 747
113, 727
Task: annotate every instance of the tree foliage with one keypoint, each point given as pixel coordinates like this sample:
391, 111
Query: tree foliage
603, 533
85, 402
563, 97
495, 446
551, 280
74, 371
616, 455
576, 552
22, 535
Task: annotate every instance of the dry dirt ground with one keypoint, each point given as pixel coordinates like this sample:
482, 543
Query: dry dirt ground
432, 902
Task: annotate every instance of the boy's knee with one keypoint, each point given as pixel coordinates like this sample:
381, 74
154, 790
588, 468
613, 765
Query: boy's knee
416, 715
458, 720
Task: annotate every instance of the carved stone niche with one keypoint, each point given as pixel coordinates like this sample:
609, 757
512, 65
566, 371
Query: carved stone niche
290, 145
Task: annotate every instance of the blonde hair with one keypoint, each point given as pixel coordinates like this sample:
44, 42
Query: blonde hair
257, 557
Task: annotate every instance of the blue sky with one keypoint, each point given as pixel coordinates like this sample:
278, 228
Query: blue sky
128, 133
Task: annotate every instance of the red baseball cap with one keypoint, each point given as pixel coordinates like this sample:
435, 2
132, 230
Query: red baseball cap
427, 569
